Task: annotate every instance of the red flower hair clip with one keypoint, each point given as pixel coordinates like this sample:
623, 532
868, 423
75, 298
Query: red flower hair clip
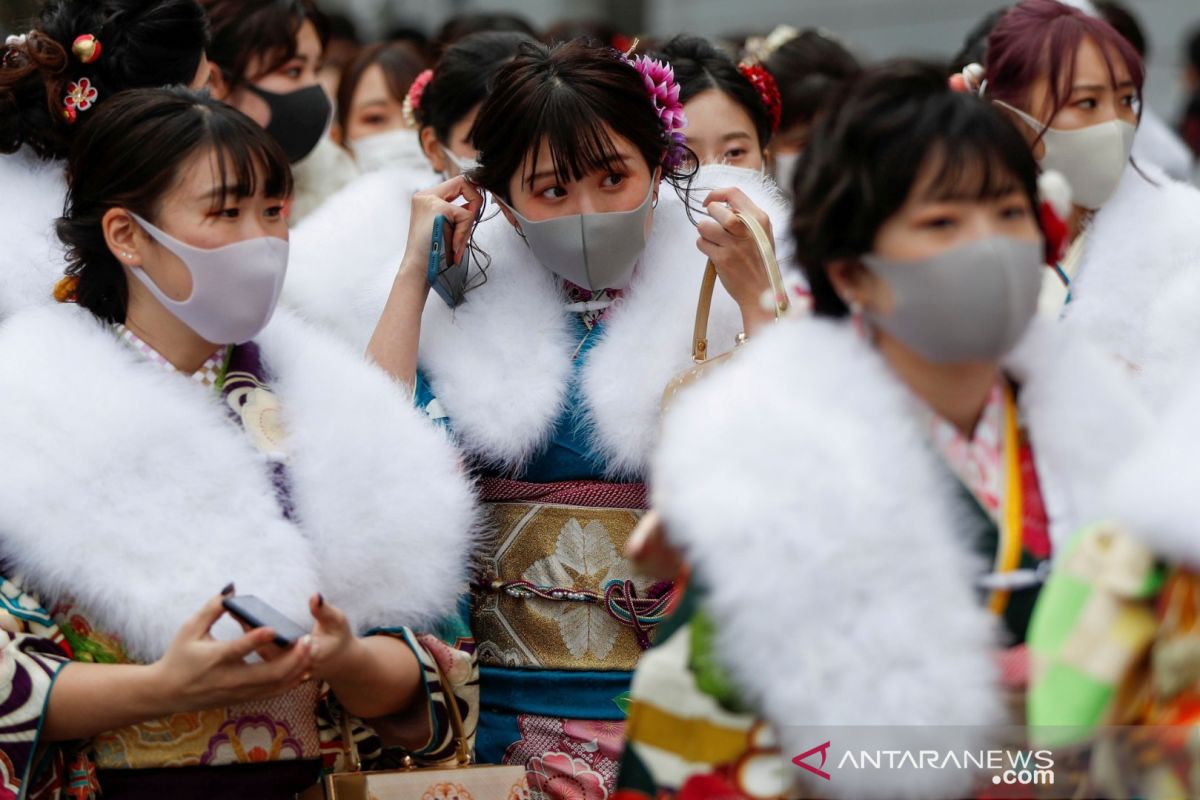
81, 96
768, 91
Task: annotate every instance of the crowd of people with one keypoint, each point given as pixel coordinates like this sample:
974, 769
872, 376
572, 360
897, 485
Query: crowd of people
422, 343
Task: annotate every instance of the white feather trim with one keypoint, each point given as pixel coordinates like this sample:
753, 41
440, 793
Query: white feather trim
31, 258
130, 490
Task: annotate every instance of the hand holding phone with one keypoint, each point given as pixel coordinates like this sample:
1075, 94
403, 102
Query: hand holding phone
448, 280
257, 613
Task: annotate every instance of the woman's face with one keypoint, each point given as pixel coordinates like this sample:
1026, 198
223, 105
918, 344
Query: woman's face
300, 72
1094, 96
373, 108
720, 131
459, 144
195, 212
929, 224
621, 186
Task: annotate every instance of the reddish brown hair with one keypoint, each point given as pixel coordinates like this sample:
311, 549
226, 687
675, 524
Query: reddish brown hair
1041, 38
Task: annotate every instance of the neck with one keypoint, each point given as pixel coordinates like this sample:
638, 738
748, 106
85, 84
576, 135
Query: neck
169, 337
955, 392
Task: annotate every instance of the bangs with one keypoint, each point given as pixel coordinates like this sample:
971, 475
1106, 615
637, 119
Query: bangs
578, 138
1063, 42
245, 162
960, 170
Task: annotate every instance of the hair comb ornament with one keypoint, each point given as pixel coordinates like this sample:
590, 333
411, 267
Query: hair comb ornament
81, 96
86, 48
659, 79
768, 91
412, 99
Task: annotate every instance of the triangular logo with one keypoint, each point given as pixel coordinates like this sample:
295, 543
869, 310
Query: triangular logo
819, 771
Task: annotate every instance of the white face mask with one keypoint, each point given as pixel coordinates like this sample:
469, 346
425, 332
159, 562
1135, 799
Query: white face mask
396, 148
1092, 159
234, 288
463, 165
785, 171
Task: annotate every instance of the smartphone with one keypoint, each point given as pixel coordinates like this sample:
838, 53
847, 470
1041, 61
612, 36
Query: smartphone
449, 281
258, 614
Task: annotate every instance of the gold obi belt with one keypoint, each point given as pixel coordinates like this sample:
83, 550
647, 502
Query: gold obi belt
553, 589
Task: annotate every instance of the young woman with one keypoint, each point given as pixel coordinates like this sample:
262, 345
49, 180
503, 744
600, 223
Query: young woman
371, 123
170, 445
810, 68
841, 490
732, 109
350, 246
52, 79
550, 374
1073, 85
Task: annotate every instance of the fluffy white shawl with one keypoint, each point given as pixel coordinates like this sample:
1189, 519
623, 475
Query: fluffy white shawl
31, 257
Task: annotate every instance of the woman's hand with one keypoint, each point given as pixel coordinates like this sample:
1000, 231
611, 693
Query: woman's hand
427, 206
198, 672
730, 246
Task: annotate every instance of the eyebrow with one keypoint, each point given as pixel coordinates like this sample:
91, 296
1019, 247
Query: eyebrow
735, 135
1096, 87
549, 173
374, 101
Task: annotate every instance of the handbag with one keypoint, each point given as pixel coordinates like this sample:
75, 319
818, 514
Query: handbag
702, 362
461, 781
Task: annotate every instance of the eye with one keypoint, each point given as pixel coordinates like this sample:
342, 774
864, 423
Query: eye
1129, 100
1087, 104
941, 223
1014, 211
274, 212
373, 119
553, 193
735, 153
229, 213
613, 179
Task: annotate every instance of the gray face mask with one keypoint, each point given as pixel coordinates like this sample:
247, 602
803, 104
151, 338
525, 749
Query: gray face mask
595, 251
971, 303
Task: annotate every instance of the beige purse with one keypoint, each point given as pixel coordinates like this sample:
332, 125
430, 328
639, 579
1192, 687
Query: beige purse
701, 361
465, 781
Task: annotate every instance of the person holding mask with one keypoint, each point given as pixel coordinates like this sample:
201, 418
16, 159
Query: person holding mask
52, 79
344, 253
550, 372
163, 427
862, 544
1073, 86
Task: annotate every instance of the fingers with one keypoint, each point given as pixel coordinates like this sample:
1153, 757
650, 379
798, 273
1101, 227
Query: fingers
722, 203
239, 648
328, 617
198, 625
282, 673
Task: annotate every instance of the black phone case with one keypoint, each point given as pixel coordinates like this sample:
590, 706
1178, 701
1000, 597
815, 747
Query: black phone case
258, 614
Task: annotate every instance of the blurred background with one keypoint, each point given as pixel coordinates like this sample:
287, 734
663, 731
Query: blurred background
872, 28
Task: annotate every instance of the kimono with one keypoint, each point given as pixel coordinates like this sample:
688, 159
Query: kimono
131, 494
844, 563
557, 406
32, 259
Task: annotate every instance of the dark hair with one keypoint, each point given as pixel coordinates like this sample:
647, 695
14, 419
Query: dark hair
1042, 37
129, 155
243, 30
1193, 50
974, 47
144, 43
866, 154
463, 77
568, 29
1122, 18
461, 26
401, 63
809, 69
571, 95
699, 66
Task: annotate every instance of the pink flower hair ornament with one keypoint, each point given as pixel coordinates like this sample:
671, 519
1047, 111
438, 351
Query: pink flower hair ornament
412, 99
659, 78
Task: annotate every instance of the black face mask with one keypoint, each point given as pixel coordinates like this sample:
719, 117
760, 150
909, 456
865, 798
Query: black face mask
298, 119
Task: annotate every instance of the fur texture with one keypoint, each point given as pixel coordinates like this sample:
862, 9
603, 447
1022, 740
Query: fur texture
348, 242
31, 257
130, 490
799, 483
501, 362
1142, 239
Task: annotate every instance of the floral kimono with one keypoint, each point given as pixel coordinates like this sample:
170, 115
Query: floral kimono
144, 491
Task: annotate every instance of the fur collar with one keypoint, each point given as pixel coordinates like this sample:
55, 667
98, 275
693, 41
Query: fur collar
1143, 238
799, 483
348, 242
31, 257
500, 364
139, 498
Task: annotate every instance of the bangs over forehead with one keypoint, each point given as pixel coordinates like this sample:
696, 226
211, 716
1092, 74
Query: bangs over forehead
579, 142
957, 170
245, 161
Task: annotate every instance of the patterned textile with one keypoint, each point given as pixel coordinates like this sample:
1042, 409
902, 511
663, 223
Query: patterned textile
978, 460
208, 374
594, 305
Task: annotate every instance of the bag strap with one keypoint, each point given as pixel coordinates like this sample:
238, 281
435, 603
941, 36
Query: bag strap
766, 255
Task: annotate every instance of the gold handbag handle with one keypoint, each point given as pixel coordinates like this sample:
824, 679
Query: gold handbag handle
766, 255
